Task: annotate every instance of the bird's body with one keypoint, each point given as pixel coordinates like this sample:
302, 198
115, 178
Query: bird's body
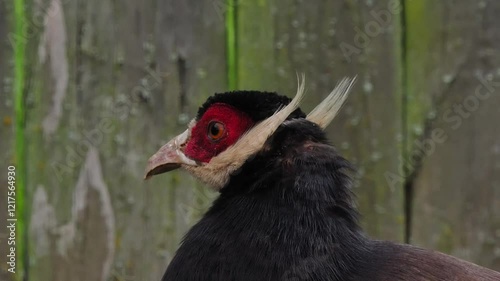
287, 213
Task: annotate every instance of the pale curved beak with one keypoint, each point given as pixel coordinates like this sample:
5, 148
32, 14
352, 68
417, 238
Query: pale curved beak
169, 157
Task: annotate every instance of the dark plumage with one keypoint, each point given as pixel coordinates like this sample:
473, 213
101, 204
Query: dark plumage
258, 105
288, 214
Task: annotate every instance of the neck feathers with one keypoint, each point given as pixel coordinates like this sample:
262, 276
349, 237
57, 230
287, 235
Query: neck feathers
299, 167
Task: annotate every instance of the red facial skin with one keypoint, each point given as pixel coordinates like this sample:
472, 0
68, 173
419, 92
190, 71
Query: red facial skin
201, 147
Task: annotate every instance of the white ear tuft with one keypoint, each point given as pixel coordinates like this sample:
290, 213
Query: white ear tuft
324, 113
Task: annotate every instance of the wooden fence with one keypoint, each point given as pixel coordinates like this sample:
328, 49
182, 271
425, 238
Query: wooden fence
103, 84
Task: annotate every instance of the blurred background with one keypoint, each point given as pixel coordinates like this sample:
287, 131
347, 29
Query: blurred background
90, 89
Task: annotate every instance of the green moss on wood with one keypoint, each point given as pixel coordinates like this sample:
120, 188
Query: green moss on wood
256, 67
231, 45
421, 17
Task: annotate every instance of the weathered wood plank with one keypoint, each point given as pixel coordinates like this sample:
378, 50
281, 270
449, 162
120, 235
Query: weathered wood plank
6, 133
453, 106
326, 43
114, 81
127, 77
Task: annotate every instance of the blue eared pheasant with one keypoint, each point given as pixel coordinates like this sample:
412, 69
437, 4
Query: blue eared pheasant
285, 209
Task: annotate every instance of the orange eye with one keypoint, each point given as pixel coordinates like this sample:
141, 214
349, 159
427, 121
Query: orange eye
216, 130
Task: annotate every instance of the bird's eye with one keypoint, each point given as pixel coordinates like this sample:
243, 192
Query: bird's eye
216, 130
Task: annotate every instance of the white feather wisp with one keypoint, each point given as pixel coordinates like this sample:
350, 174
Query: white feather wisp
324, 113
